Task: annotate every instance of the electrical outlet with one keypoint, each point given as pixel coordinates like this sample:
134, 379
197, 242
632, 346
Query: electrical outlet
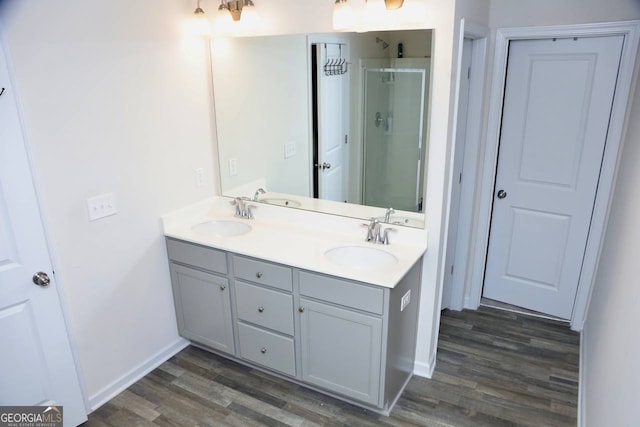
199, 177
233, 167
406, 299
290, 149
101, 206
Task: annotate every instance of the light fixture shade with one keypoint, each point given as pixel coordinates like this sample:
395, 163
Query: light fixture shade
343, 16
250, 20
374, 14
413, 11
393, 4
223, 24
200, 23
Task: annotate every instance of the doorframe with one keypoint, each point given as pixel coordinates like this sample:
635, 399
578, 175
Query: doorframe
613, 150
479, 35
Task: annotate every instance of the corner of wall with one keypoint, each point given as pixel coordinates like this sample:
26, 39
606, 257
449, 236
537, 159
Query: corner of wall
425, 370
125, 381
582, 380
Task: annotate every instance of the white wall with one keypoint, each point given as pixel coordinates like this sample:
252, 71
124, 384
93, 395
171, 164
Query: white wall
611, 337
261, 86
115, 98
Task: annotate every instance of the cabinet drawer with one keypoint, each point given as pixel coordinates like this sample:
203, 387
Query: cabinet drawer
263, 272
198, 256
343, 292
265, 307
267, 349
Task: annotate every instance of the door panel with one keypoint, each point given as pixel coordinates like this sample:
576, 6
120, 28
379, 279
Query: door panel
37, 364
332, 124
558, 97
341, 350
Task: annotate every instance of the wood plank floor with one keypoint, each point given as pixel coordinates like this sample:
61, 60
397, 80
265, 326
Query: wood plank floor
494, 368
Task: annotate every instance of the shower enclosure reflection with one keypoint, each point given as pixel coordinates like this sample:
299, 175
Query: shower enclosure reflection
394, 117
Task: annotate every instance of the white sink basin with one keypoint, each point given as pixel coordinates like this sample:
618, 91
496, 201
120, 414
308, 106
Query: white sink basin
280, 202
361, 257
221, 228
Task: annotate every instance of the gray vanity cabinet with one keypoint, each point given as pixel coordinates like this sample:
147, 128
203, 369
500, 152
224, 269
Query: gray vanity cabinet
341, 350
264, 307
347, 338
202, 298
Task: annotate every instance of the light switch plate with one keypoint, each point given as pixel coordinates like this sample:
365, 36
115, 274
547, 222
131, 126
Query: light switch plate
101, 206
199, 177
233, 167
290, 150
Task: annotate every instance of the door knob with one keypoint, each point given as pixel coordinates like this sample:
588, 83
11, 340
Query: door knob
41, 279
502, 194
326, 165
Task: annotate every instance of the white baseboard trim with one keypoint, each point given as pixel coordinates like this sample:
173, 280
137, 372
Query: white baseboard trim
582, 380
122, 383
425, 370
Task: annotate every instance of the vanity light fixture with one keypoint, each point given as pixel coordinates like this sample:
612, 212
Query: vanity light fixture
376, 14
343, 17
200, 21
393, 4
237, 7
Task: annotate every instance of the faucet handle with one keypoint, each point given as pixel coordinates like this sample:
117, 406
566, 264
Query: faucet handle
385, 235
250, 209
371, 234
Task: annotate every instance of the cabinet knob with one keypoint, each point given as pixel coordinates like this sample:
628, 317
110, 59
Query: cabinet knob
260, 309
263, 350
259, 274
301, 309
223, 287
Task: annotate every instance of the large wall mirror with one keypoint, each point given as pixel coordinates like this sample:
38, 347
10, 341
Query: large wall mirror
320, 120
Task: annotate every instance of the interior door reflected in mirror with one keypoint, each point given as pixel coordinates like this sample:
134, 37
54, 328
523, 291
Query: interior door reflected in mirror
319, 120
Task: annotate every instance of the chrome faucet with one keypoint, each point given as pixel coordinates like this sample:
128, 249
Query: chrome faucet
376, 234
242, 209
257, 193
388, 213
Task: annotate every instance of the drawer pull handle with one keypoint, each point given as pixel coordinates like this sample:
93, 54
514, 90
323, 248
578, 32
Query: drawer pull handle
263, 350
223, 287
260, 309
301, 309
259, 274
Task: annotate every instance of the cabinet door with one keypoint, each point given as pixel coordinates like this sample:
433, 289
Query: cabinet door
341, 350
203, 307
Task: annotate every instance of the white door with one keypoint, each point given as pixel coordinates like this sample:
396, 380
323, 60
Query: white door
332, 122
557, 102
36, 364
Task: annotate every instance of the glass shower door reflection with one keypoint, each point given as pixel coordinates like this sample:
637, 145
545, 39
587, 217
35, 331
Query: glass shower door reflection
393, 121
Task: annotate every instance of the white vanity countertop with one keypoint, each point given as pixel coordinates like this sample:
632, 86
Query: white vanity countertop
298, 238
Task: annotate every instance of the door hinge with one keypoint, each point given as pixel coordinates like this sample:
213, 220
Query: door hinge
469, 73
346, 139
451, 268
460, 178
